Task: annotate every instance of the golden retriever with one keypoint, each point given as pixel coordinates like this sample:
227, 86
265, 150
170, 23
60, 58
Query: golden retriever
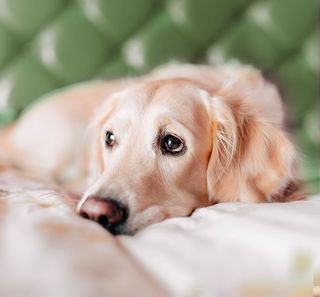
160, 145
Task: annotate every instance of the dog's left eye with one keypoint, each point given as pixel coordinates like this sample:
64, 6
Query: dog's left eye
171, 144
110, 139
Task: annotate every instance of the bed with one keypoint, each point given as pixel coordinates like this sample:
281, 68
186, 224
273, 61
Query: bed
226, 250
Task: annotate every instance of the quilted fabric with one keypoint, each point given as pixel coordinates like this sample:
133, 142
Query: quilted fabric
47, 44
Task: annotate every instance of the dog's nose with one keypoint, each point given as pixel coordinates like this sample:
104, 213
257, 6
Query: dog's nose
107, 212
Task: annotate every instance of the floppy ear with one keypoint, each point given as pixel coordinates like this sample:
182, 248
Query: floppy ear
252, 158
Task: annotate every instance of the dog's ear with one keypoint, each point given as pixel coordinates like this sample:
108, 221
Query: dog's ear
252, 158
224, 146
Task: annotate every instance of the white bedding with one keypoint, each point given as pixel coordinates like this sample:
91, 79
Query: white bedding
226, 250
232, 248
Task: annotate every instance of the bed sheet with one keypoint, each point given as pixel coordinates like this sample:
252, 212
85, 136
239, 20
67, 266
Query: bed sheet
226, 250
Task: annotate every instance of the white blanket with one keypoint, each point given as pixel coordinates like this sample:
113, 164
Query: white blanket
235, 249
226, 250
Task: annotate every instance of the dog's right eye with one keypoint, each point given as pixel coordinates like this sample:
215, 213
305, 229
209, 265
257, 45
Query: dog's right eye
110, 139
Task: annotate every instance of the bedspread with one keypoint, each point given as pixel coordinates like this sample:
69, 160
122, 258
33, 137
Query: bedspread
226, 250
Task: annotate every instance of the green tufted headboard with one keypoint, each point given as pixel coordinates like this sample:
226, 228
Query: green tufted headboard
47, 44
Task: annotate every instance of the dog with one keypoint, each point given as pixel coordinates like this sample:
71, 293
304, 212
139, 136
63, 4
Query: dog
161, 145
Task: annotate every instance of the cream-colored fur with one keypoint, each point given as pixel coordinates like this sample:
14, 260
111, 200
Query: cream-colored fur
229, 117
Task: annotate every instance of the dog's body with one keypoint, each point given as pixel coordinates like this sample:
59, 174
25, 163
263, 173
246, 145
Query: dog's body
223, 126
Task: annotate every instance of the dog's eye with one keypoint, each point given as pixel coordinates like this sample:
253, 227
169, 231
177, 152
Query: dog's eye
110, 139
171, 144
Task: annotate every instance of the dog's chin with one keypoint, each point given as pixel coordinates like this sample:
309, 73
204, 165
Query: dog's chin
119, 230
133, 227
140, 220
151, 215
124, 229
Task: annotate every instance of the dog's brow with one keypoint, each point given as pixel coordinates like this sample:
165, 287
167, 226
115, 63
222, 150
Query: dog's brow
153, 87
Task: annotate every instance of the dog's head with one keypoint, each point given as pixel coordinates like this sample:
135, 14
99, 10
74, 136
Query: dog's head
163, 148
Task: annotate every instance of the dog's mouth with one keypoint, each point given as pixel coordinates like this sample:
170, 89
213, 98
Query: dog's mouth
115, 229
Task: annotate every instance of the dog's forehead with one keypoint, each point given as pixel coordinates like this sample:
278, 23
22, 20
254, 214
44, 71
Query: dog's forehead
175, 95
